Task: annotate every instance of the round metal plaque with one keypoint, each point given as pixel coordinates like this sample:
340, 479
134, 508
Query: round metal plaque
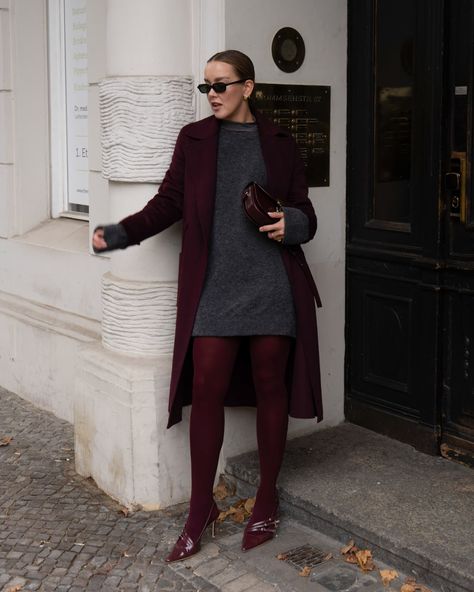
288, 49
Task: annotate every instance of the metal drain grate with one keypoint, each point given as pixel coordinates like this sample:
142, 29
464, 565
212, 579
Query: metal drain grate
305, 556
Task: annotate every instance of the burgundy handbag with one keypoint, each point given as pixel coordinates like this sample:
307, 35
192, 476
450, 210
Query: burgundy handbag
257, 202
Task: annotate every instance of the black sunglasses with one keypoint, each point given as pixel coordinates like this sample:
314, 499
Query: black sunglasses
218, 87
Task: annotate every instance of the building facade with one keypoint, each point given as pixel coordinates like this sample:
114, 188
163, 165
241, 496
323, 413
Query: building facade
92, 96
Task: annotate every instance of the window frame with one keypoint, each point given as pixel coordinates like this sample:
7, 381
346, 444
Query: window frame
58, 114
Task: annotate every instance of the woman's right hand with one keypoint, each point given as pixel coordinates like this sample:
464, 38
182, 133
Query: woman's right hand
98, 241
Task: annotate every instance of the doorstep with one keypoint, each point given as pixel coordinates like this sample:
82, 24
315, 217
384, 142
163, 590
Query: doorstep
413, 510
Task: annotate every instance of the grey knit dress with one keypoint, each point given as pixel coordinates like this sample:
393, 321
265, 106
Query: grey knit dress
246, 290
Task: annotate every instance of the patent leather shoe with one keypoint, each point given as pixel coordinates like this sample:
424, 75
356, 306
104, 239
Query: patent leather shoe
256, 533
185, 546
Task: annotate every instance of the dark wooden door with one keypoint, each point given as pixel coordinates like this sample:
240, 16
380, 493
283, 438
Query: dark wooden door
457, 435
410, 235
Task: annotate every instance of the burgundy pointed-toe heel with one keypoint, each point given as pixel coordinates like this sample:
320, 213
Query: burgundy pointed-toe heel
256, 533
185, 546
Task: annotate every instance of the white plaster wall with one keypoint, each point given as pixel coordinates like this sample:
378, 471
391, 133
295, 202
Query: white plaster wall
149, 38
39, 349
250, 27
50, 286
6, 127
51, 266
30, 115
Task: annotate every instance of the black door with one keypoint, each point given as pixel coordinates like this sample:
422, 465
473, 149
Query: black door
410, 236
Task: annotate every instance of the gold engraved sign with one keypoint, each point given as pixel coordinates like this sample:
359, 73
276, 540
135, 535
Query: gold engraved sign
305, 112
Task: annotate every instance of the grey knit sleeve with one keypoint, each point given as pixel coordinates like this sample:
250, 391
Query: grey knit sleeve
296, 226
115, 236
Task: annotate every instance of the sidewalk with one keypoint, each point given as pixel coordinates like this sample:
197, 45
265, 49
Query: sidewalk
59, 532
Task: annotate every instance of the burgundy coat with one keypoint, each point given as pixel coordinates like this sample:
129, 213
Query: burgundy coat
188, 192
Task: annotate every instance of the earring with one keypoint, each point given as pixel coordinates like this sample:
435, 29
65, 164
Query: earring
246, 98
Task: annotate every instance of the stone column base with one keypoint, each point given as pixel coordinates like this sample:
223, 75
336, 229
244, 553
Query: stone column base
121, 440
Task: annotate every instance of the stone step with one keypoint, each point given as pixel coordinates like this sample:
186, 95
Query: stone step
414, 511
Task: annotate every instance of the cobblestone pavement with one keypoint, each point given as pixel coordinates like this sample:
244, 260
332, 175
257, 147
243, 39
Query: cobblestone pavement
59, 532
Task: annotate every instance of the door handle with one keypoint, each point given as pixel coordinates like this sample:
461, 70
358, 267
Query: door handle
456, 183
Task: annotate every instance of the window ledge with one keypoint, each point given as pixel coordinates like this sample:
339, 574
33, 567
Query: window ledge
62, 234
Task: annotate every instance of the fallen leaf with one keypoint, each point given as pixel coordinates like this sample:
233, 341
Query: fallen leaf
351, 558
106, 568
223, 489
305, 572
5, 441
388, 575
364, 559
222, 516
411, 585
249, 504
282, 556
239, 511
15, 588
238, 516
125, 511
328, 556
347, 547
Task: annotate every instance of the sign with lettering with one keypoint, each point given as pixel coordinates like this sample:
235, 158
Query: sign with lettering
76, 102
305, 112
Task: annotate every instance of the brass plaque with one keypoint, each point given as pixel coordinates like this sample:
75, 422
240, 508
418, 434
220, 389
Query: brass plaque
305, 112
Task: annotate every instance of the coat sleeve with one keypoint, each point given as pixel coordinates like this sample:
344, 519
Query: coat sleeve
165, 208
298, 192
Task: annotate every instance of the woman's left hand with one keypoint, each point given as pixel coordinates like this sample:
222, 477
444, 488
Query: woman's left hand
275, 231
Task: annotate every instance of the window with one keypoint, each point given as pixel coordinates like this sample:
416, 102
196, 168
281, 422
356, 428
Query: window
69, 107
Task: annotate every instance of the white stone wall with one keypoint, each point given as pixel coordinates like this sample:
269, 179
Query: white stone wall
50, 302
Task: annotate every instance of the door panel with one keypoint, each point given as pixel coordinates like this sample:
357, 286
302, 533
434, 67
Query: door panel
458, 244
410, 239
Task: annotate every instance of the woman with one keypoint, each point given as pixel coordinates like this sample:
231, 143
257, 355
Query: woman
246, 327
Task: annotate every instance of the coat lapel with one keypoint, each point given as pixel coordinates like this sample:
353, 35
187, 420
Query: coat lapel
204, 137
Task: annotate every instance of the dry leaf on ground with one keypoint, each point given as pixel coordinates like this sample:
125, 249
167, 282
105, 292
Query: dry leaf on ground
249, 504
411, 585
239, 511
305, 572
361, 557
347, 547
364, 559
224, 513
239, 515
106, 568
388, 575
223, 489
282, 556
5, 441
15, 588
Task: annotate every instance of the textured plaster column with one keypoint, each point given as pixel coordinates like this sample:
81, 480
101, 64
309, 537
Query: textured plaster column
145, 97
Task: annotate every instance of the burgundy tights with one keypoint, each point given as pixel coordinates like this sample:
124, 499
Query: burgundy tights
213, 359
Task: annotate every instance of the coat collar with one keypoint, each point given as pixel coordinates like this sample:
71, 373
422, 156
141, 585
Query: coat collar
205, 159
208, 127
